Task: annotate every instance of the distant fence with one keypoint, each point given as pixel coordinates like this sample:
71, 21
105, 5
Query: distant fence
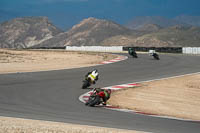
95, 48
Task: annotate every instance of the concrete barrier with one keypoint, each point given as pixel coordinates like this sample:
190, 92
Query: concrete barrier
191, 50
95, 48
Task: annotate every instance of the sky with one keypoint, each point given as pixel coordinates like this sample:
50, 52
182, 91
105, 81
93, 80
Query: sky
66, 13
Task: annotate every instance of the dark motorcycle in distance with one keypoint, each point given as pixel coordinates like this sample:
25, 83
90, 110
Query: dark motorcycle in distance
156, 56
96, 98
132, 53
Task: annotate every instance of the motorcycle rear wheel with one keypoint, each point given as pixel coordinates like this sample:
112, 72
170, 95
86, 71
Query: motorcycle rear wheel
85, 84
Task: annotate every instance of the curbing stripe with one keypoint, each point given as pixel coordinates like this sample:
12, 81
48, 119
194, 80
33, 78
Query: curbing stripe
119, 58
120, 87
117, 87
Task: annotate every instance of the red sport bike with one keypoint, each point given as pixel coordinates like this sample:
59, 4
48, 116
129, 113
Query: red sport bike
96, 98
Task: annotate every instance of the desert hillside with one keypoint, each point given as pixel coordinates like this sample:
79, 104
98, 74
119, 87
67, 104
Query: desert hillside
90, 31
39, 32
26, 32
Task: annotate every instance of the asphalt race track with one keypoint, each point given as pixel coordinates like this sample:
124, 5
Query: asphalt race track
54, 95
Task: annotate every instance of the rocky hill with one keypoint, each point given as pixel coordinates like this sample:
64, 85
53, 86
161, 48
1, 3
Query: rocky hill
165, 37
139, 22
39, 32
93, 31
26, 32
88, 32
149, 28
177, 36
172, 36
191, 20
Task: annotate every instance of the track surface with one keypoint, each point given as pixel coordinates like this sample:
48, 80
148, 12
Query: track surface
54, 95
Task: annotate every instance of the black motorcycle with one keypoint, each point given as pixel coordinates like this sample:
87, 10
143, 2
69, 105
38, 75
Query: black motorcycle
86, 83
156, 56
133, 53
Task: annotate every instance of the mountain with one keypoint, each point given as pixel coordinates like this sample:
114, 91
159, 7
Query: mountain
174, 36
170, 37
39, 32
26, 32
149, 28
90, 31
191, 20
93, 31
139, 22
179, 36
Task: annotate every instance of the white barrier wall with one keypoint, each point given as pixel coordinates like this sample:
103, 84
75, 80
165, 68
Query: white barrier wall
191, 50
95, 48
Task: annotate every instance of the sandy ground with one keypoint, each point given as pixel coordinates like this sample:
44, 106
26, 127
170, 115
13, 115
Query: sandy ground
17, 125
41, 60
176, 97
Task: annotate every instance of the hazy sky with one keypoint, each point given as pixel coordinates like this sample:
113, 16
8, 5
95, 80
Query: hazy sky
65, 13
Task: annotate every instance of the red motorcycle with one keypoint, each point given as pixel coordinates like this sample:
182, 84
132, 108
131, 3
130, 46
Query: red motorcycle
96, 98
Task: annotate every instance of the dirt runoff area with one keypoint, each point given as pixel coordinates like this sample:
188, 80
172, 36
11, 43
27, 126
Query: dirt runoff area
12, 61
175, 97
17, 125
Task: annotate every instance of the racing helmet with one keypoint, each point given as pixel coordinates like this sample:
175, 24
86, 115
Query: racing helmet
109, 91
95, 71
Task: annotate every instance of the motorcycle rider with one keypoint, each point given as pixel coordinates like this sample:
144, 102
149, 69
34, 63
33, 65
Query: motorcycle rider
153, 53
93, 75
132, 52
105, 94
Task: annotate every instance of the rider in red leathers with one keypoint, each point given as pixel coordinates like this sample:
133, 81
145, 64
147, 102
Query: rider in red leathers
104, 94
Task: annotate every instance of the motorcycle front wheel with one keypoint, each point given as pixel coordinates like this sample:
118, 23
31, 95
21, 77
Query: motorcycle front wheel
94, 101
